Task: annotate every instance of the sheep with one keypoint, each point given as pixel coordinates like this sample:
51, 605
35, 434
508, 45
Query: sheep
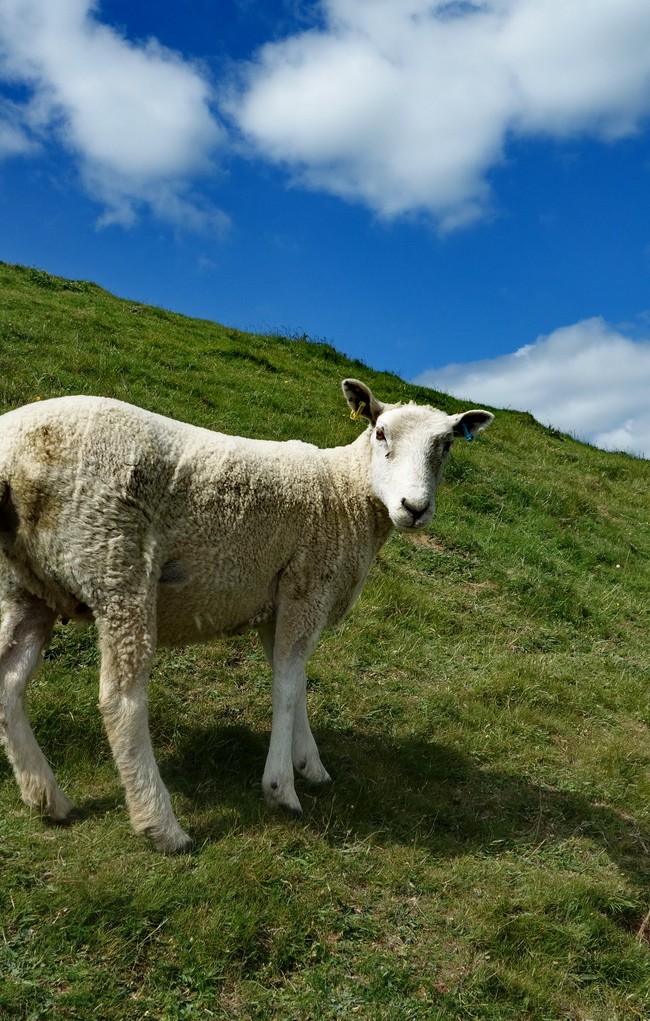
161, 532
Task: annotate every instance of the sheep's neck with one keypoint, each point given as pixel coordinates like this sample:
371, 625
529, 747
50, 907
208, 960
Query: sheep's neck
351, 474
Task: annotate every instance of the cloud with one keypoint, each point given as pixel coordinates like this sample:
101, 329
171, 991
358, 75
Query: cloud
137, 117
406, 104
587, 379
14, 140
403, 105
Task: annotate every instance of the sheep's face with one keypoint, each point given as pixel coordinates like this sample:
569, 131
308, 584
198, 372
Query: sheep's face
409, 448
409, 445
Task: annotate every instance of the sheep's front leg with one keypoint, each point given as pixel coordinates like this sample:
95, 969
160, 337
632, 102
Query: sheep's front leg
304, 750
288, 679
26, 630
292, 742
126, 656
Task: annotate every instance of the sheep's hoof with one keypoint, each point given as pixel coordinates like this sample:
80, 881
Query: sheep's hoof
313, 773
322, 777
74, 815
53, 805
285, 800
168, 843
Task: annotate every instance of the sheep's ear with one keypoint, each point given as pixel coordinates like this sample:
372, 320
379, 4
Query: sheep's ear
470, 423
361, 400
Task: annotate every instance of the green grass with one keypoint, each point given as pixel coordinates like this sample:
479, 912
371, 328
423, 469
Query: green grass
484, 851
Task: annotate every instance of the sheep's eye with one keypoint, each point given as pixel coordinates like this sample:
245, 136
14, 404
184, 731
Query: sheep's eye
380, 435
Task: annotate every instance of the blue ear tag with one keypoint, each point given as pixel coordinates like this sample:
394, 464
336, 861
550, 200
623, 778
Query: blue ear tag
468, 435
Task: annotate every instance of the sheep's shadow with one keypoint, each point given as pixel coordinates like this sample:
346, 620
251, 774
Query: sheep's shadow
409, 790
86, 809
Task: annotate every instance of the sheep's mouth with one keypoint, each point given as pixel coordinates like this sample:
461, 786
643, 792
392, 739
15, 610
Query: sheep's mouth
406, 522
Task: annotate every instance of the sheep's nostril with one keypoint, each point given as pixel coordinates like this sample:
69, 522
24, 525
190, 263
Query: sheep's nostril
416, 512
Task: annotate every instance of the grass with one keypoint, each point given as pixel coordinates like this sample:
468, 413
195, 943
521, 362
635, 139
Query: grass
483, 853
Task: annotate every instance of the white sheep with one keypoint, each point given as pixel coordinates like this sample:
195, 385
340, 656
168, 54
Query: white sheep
162, 532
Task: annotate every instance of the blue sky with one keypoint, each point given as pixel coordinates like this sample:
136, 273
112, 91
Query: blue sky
454, 191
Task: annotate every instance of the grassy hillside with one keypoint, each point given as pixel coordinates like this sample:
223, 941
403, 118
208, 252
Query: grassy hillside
484, 851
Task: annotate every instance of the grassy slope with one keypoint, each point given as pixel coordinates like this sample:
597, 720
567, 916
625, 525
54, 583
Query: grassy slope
484, 712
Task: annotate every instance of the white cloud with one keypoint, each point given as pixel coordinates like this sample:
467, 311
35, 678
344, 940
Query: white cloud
405, 104
587, 379
136, 116
14, 140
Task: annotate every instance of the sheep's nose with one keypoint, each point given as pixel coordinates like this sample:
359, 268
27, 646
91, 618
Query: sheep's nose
416, 510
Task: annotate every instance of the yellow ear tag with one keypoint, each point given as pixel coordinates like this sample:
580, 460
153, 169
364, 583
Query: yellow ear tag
355, 414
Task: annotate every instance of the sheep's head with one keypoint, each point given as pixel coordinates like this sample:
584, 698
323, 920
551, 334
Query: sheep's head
409, 444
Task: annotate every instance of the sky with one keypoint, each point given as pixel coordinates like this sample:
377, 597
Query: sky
453, 190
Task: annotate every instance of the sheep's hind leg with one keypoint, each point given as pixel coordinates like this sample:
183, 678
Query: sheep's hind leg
25, 632
127, 650
304, 750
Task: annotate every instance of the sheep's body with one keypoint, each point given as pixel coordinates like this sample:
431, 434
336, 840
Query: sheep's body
222, 524
163, 532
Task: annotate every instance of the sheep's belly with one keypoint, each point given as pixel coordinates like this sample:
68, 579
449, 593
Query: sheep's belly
185, 621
